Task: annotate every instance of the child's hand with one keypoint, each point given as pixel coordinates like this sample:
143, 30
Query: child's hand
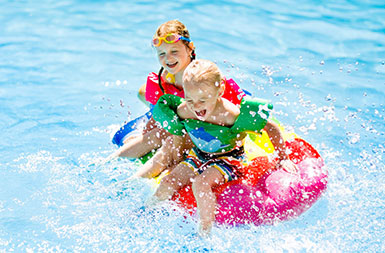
288, 166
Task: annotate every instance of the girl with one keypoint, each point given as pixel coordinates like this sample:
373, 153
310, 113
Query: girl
175, 51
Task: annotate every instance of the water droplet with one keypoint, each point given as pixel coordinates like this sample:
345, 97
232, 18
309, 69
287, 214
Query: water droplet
353, 138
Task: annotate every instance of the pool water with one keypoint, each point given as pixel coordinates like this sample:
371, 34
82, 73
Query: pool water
69, 75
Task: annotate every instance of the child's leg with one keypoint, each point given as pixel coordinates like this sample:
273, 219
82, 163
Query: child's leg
180, 176
206, 199
162, 159
167, 157
142, 144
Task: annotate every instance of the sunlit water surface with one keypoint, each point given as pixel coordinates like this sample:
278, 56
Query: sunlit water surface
69, 75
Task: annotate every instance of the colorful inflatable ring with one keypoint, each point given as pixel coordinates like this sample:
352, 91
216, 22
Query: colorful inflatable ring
262, 195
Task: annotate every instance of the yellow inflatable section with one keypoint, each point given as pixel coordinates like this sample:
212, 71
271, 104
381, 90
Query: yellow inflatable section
260, 144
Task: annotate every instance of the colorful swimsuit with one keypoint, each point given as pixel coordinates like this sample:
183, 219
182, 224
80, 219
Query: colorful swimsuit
209, 138
228, 164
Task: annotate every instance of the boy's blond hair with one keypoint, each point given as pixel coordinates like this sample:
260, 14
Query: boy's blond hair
203, 71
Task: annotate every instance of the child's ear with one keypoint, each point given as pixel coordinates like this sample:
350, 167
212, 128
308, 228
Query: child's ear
222, 88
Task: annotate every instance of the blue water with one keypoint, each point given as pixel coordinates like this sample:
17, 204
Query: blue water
69, 74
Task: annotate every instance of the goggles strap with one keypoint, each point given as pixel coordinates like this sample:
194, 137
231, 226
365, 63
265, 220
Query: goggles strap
160, 79
193, 55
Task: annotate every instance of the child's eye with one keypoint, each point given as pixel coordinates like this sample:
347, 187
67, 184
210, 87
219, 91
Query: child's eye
174, 51
190, 103
161, 54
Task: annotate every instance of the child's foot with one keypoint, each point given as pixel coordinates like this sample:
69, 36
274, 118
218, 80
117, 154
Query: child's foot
204, 229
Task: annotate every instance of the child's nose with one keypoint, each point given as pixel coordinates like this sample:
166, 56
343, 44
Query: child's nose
197, 106
169, 57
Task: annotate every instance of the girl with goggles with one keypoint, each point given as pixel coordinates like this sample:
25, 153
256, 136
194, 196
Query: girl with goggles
175, 51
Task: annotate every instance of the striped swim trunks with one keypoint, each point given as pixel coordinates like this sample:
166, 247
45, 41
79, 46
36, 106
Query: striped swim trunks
228, 164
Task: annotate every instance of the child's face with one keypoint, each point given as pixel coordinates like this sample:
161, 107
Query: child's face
174, 57
201, 99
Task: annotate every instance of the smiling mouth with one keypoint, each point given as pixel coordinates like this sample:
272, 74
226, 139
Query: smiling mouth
172, 65
200, 114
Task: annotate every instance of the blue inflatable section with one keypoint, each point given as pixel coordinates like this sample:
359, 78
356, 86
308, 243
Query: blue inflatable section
130, 127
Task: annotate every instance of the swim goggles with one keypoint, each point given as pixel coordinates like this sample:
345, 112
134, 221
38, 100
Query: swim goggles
169, 39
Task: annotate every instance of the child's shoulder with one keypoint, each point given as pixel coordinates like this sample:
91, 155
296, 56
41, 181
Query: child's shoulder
230, 112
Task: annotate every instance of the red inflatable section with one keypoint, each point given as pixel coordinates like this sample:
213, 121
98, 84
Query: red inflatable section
264, 195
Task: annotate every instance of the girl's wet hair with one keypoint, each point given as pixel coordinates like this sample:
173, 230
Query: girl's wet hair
173, 26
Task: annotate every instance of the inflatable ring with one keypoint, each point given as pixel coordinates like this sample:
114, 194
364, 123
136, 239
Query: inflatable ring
262, 195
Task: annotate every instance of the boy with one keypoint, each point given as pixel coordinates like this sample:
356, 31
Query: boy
217, 128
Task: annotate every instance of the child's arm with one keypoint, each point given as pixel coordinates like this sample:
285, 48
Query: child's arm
142, 94
278, 142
